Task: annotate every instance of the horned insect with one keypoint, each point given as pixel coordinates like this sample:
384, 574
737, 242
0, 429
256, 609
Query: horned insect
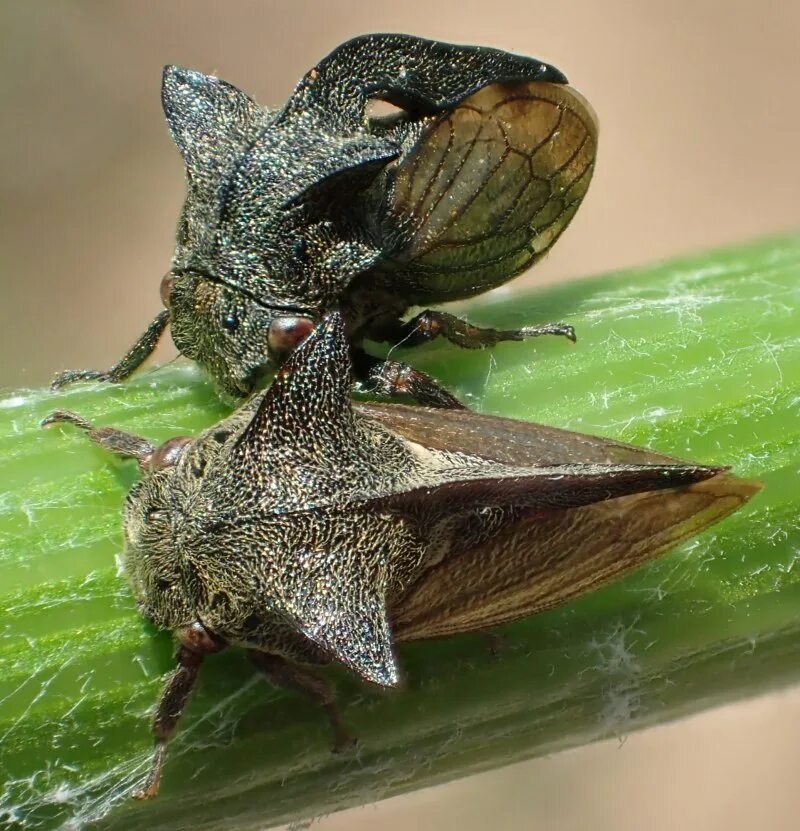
307, 529
322, 205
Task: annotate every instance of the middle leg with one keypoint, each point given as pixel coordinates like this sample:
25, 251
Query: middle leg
432, 324
393, 378
289, 676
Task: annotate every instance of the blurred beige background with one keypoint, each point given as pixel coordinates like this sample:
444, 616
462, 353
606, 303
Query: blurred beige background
700, 129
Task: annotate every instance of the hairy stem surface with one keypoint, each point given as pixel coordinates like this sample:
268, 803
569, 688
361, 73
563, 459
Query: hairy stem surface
699, 358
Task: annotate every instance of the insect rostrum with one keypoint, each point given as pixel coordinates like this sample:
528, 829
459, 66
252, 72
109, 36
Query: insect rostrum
306, 529
318, 206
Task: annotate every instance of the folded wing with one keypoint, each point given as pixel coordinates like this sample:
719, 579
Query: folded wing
547, 559
505, 440
487, 187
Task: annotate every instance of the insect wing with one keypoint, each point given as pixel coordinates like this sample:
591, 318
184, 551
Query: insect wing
543, 561
541, 488
505, 440
488, 187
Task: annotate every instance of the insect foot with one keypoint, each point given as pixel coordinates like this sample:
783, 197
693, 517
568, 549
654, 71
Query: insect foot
318, 205
305, 529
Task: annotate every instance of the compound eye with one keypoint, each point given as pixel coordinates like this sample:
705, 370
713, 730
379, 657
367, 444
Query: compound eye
168, 453
286, 332
167, 282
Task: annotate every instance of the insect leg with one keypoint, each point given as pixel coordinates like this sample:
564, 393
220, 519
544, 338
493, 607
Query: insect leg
392, 378
196, 643
127, 445
496, 643
289, 676
130, 361
431, 324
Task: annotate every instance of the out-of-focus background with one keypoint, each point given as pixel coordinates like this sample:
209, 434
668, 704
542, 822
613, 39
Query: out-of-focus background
700, 129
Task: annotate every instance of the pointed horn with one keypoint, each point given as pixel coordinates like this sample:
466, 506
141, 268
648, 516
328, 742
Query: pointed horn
330, 573
361, 639
311, 391
422, 76
210, 120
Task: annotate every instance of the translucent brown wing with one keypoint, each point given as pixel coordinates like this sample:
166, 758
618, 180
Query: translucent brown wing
505, 440
488, 187
546, 560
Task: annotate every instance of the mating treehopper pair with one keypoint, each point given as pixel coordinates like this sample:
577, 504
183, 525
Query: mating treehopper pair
305, 528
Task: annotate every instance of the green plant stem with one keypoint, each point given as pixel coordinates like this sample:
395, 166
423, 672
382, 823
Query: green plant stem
699, 358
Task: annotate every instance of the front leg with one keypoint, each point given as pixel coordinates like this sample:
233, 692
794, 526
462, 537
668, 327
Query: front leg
392, 379
196, 643
130, 361
125, 445
431, 324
